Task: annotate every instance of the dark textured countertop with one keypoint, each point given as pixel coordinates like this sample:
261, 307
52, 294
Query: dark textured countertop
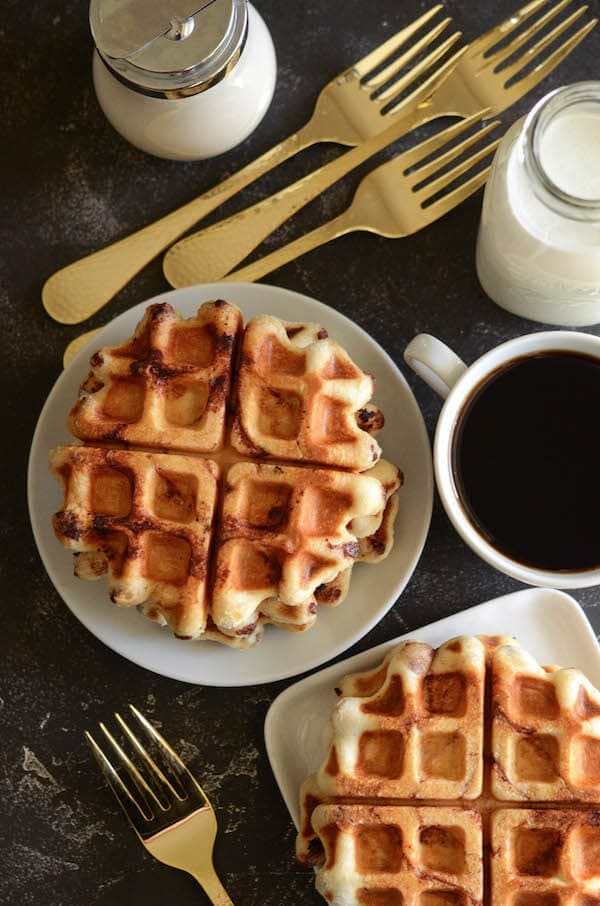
70, 185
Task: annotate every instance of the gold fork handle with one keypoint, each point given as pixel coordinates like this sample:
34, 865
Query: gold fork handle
78, 290
325, 233
212, 253
76, 345
213, 888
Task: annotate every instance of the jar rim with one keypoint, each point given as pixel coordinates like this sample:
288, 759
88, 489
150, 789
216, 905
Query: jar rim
546, 190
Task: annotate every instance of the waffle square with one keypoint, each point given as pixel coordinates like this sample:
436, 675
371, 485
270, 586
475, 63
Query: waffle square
413, 727
300, 397
396, 856
167, 386
545, 857
277, 539
286, 532
538, 755
542, 850
144, 520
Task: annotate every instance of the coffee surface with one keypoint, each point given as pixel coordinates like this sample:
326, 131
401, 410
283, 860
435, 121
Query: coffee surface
526, 460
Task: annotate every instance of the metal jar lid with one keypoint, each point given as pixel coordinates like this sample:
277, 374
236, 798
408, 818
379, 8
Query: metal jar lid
169, 48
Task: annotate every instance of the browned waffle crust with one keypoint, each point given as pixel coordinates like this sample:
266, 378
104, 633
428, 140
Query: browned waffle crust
218, 536
293, 390
441, 786
167, 386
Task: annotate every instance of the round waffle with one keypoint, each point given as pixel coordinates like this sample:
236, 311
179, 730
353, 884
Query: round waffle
228, 509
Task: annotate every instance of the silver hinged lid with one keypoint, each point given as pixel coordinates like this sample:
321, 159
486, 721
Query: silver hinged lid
169, 48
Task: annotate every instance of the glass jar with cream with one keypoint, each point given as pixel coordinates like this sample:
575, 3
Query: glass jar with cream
538, 249
182, 79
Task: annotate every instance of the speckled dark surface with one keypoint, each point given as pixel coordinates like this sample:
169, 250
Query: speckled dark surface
70, 185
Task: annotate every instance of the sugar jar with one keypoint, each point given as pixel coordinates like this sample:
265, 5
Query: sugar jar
182, 79
538, 248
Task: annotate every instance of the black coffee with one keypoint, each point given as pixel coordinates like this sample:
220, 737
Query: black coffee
526, 460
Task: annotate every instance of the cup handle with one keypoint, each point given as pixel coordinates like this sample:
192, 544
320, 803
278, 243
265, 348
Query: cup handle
435, 362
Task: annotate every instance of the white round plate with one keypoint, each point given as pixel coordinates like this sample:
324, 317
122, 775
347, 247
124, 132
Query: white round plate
373, 589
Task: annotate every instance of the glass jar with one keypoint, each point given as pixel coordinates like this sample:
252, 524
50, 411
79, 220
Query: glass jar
538, 249
182, 79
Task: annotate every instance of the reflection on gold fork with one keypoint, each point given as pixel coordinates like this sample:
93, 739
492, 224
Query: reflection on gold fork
481, 78
169, 811
345, 113
387, 202
394, 204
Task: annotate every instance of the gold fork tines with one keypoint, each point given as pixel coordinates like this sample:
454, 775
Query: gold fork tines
477, 81
519, 40
169, 812
346, 112
373, 61
401, 196
487, 73
377, 57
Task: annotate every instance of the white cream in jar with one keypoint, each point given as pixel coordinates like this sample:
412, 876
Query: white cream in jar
182, 79
538, 249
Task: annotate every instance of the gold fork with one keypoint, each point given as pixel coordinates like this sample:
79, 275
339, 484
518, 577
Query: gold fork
345, 113
395, 204
173, 818
464, 82
479, 79
387, 202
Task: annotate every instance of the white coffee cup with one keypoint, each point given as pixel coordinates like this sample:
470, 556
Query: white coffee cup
454, 381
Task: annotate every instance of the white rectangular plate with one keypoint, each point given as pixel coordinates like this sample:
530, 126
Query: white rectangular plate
548, 623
